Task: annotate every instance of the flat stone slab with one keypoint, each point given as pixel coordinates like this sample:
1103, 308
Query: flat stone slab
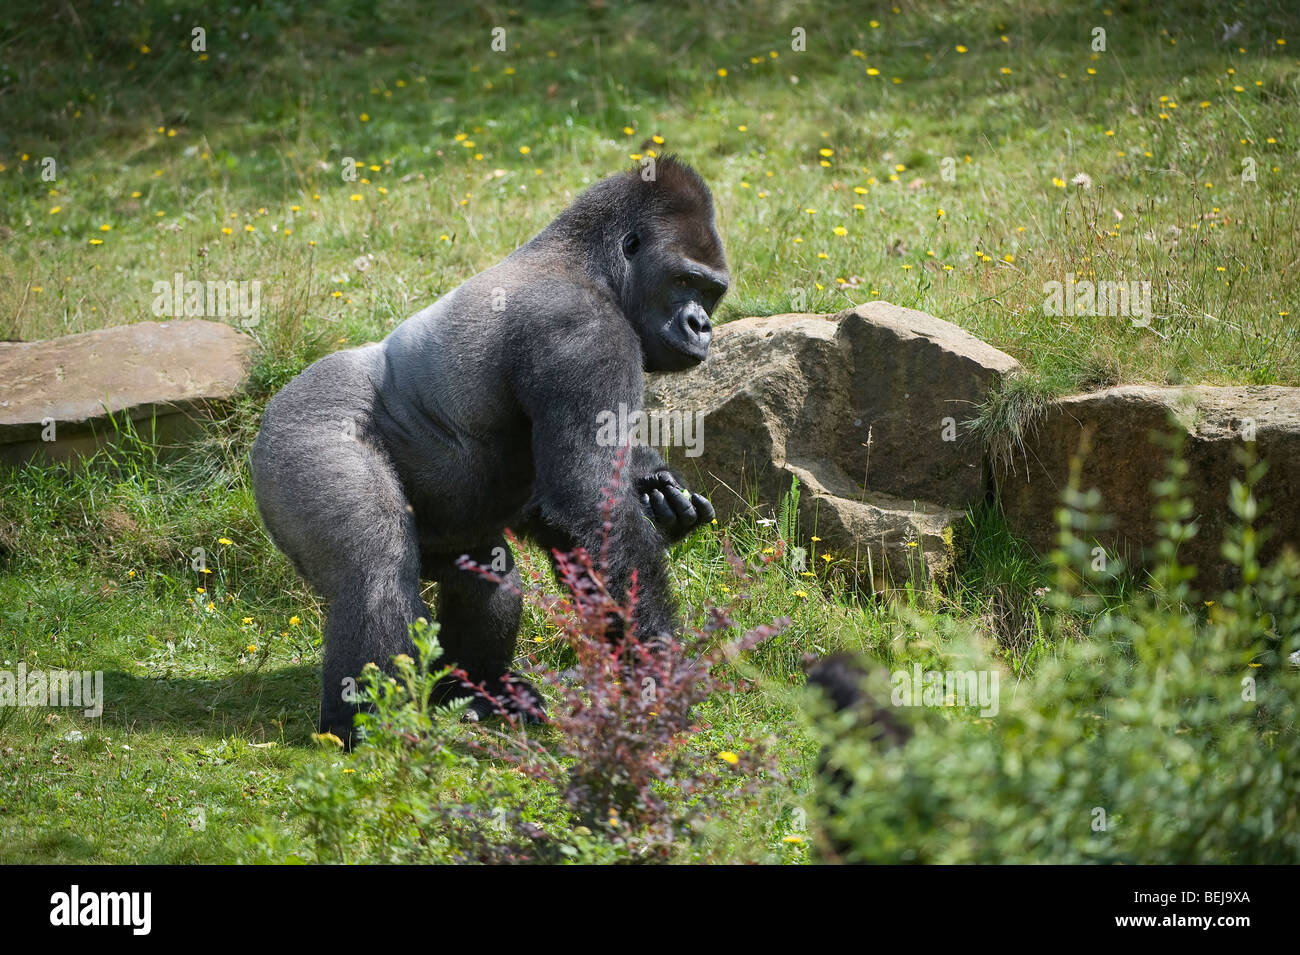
1123, 464
56, 396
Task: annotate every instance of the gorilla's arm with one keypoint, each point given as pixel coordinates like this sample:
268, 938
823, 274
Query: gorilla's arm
572, 469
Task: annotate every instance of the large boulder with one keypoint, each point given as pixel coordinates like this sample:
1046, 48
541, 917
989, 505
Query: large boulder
1123, 463
865, 408
56, 396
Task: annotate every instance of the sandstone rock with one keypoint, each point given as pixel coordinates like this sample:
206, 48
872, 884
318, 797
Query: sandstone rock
864, 407
1123, 463
159, 375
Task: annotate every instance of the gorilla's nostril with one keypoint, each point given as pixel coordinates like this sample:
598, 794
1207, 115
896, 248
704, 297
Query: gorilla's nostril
695, 324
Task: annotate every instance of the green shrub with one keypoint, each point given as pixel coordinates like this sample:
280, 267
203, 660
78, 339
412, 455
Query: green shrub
1169, 737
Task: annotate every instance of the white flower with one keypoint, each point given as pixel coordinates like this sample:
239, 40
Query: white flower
1082, 179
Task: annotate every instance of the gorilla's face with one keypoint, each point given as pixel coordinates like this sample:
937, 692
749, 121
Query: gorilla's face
673, 287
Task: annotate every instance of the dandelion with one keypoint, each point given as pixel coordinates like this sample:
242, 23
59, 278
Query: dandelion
1082, 179
294, 621
872, 71
365, 117
840, 230
355, 197
728, 757
225, 540
722, 71
939, 214
793, 840
960, 48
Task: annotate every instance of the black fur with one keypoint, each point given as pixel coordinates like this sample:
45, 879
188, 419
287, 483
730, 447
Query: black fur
379, 466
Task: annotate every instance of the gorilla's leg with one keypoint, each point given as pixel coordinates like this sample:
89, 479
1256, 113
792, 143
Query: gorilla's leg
479, 623
332, 502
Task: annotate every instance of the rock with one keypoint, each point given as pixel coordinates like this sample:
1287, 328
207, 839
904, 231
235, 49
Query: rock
1123, 463
864, 407
56, 395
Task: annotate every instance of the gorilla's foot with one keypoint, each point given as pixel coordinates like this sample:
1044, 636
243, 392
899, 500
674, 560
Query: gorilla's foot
512, 697
340, 724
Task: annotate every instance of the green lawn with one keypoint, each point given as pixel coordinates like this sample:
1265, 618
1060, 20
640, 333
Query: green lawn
922, 153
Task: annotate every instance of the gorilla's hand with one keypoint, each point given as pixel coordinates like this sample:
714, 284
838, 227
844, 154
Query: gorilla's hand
674, 510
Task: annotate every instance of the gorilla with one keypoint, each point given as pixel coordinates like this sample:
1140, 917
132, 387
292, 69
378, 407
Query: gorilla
381, 466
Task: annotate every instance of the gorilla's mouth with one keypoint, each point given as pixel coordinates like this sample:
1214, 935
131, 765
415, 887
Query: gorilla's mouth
696, 351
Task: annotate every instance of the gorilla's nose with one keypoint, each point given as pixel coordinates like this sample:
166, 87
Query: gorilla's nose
695, 327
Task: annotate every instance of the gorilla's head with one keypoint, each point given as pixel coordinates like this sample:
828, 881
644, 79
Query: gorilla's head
675, 269
651, 236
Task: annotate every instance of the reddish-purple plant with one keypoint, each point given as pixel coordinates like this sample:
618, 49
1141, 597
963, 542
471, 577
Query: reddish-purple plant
623, 758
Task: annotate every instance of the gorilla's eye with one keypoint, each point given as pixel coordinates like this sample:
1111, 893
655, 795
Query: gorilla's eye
631, 242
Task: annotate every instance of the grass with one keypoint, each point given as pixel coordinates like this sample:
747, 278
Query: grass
924, 156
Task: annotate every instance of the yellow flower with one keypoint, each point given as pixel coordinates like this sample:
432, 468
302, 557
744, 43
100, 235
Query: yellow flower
628, 130
793, 840
365, 117
722, 71
248, 620
960, 48
525, 150
939, 214
225, 540
106, 228
840, 230
872, 71
294, 621
130, 573
729, 757
657, 139
1058, 182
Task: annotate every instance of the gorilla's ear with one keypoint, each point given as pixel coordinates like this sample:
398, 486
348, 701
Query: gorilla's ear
631, 242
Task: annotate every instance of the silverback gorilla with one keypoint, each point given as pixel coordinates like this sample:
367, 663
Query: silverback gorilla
378, 467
